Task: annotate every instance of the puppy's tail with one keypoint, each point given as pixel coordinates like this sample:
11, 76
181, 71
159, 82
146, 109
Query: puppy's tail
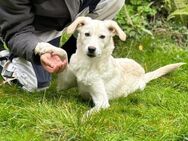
161, 71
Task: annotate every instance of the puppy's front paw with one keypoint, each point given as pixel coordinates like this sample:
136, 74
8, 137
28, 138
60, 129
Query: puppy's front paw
61, 52
93, 111
89, 113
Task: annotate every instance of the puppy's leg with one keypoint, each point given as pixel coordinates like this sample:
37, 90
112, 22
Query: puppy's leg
99, 97
43, 47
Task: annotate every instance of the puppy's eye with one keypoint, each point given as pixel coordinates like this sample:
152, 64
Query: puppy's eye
87, 34
102, 36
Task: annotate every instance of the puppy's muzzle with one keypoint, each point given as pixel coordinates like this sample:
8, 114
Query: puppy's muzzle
91, 51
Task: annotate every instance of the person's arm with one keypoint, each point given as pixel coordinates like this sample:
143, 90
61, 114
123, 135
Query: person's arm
17, 29
16, 24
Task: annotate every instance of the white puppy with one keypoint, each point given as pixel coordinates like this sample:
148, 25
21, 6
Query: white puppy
96, 72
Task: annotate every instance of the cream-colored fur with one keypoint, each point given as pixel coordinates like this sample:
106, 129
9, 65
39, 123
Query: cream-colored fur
96, 72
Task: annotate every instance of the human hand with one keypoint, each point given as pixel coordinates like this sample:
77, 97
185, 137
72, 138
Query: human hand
52, 58
52, 62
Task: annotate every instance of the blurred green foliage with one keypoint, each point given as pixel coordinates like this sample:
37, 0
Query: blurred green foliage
147, 17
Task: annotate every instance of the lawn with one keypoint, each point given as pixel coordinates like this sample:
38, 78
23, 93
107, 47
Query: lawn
159, 113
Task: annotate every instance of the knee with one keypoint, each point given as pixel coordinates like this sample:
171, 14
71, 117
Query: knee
107, 9
117, 4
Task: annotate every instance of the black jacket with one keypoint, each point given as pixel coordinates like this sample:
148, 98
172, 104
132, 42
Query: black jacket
20, 19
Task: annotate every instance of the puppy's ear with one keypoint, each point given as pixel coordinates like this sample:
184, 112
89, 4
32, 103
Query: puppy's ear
79, 22
114, 28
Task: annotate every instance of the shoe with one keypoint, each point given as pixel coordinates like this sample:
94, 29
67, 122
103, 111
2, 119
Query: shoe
4, 61
4, 57
7, 69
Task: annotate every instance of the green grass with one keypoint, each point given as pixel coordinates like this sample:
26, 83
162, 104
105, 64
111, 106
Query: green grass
159, 113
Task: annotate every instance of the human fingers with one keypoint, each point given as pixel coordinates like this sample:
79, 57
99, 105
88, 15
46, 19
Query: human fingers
47, 62
59, 64
53, 63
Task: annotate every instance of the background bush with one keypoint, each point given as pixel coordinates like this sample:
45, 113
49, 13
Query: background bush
151, 18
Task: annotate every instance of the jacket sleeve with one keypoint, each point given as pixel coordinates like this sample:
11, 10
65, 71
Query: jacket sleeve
17, 29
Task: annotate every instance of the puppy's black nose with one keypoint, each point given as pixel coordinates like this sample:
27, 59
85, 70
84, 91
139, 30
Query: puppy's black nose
91, 49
